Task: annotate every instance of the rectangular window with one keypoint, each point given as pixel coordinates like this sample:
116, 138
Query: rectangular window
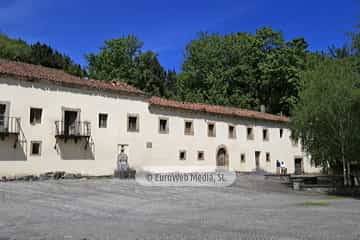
133, 123
163, 125
250, 133
201, 155
242, 157
103, 117
2, 109
265, 134
3, 121
211, 130
182, 155
35, 115
268, 159
281, 132
232, 131
35, 148
189, 129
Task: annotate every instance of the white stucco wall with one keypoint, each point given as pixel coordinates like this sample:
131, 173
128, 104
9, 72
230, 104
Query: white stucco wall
71, 156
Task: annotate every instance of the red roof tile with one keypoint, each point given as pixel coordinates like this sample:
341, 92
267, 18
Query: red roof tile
30, 72
200, 107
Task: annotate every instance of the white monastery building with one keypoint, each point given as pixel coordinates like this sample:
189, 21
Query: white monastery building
52, 121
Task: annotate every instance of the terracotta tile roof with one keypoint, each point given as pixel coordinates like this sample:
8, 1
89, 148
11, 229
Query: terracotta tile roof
30, 72
199, 107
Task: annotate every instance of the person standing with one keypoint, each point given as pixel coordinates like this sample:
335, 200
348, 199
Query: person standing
278, 165
283, 168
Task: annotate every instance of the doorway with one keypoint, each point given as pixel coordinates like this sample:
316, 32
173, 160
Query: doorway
71, 122
298, 166
257, 160
222, 158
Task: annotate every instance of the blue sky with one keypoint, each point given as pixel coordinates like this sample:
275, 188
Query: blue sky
77, 27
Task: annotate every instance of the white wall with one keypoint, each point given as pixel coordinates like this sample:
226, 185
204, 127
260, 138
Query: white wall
72, 157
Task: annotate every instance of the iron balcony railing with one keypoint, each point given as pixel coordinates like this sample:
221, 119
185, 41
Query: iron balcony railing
12, 126
9, 125
75, 129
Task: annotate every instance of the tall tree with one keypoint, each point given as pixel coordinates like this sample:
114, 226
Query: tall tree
122, 59
149, 74
14, 49
40, 54
244, 70
355, 41
44, 55
172, 87
328, 113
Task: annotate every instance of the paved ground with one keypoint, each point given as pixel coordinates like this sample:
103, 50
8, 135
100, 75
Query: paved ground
115, 209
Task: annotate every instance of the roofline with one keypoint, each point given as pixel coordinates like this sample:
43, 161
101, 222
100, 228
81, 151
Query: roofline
182, 106
70, 81
67, 80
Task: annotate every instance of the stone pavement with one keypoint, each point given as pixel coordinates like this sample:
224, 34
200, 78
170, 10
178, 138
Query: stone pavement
253, 208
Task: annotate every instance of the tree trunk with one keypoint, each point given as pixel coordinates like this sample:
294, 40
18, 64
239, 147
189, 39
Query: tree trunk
349, 174
344, 165
345, 174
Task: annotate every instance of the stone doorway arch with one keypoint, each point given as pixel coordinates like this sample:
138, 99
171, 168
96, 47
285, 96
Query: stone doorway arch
222, 157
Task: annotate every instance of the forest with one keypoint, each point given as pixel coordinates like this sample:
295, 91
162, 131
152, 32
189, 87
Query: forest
240, 69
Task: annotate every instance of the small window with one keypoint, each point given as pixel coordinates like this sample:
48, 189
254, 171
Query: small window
201, 155
163, 125
189, 129
268, 159
182, 155
242, 157
35, 115
35, 148
3, 109
211, 130
281, 132
250, 133
133, 123
265, 134
148, 144
103, 120
232, 132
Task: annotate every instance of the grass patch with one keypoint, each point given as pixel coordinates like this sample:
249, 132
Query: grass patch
315, 204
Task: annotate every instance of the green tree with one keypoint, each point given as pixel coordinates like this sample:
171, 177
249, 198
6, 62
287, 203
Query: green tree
122, 59
326, 118
355, 41
40, 54
244, 70
14, 49
172, 87
149, 75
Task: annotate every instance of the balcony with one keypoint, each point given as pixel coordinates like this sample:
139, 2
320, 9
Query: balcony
11, 127
66, 130
72, 130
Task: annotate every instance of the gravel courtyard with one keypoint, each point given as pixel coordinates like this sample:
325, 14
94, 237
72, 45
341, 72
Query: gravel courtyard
121, 209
